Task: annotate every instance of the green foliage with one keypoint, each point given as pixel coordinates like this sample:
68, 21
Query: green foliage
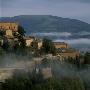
2, 33
34, 45
87, 58
72, 84
6, 46
53, 84
48, 46
22, 43
1, 51
19, 46
35, 82
20, 82
21, 30
74, 61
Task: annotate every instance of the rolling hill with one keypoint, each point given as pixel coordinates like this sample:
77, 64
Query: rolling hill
72, 31
48, 23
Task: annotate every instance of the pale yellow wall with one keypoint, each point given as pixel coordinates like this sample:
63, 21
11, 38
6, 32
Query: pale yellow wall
9, 33
28, 42
40, 44
70, 54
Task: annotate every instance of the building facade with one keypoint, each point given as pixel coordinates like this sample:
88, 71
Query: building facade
66, 55
29, 41
60, 45
40, 43
9, 28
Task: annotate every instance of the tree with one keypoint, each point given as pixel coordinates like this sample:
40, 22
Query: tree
78, 62
6, 45
34, 45
22, 45
48, 46
21, 40
87, 58
1, 51
21, 30
2, 32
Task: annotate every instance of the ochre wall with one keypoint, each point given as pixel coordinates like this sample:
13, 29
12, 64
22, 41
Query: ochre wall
9, 33
61, 45
70, 54
9, 26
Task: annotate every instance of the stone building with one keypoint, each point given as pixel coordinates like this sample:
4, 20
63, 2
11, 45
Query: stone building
40, 43
9, 31
9, 28
29, 41
61, 45
32, 40
69, 53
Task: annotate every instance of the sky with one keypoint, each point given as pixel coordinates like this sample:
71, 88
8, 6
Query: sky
76, 9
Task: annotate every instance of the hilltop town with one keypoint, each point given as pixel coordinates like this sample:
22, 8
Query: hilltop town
12, 33
14, 40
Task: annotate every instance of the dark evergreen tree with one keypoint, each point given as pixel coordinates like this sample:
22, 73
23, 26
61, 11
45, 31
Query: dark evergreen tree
48, 46
21, 30
87, 58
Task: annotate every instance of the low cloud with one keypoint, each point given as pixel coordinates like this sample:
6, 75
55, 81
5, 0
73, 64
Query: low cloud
66, 34
76, 41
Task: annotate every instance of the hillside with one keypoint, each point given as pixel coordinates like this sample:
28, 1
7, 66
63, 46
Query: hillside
48, 23
72, 31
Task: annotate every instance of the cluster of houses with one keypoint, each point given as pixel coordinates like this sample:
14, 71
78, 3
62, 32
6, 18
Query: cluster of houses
10, 30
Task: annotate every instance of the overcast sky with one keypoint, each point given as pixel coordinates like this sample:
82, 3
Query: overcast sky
77, 9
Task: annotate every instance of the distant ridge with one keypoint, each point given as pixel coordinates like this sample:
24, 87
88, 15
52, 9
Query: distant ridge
48, 23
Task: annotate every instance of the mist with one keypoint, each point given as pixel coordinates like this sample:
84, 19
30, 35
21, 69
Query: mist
76, 41
59, 69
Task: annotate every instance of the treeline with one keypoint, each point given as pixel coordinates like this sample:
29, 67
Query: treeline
80, 61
